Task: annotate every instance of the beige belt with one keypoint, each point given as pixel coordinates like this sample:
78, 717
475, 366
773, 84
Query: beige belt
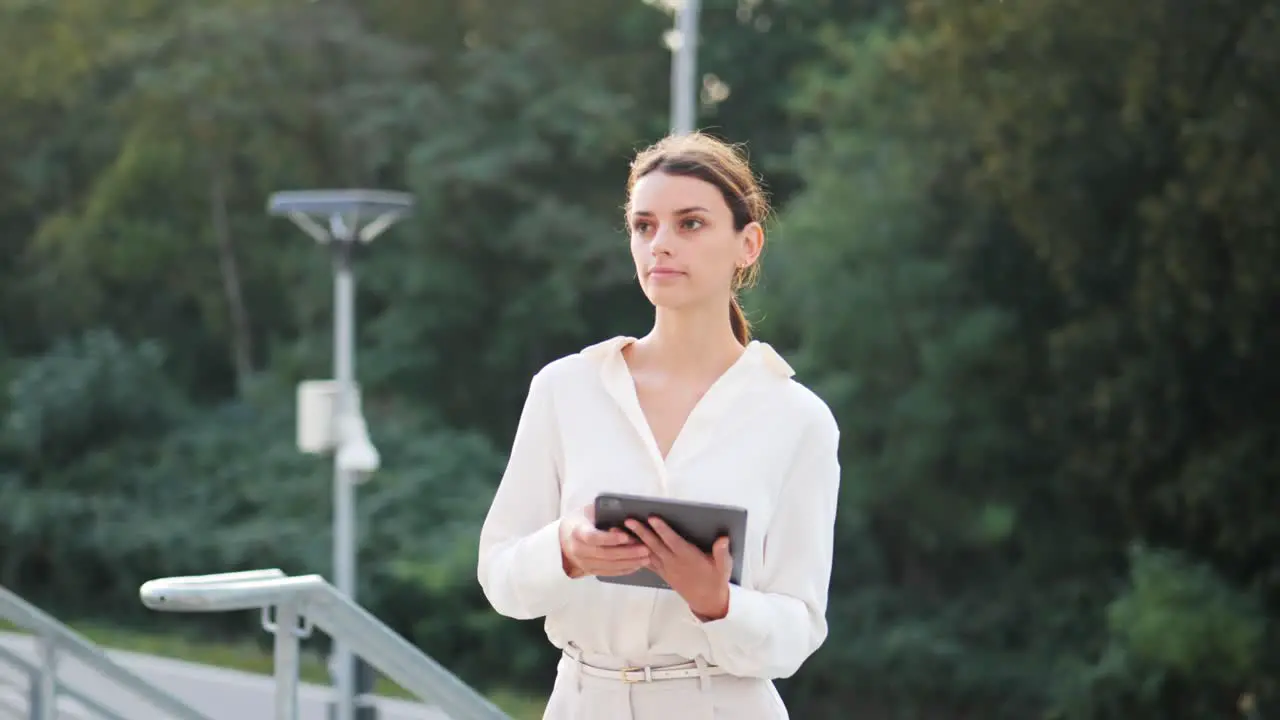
648, 673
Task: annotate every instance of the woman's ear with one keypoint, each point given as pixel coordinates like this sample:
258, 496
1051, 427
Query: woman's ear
752, 244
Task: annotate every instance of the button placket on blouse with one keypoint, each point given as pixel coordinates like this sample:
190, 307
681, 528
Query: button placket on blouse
621, 387
698, 427
620, 384
707, 415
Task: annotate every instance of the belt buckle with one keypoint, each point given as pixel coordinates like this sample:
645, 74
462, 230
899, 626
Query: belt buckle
623, 673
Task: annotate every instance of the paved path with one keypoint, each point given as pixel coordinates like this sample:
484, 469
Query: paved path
218, 693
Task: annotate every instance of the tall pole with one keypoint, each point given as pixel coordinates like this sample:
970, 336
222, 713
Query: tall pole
344, 505
684, 69
343, 432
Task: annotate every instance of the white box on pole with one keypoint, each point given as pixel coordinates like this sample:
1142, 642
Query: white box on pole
317, 426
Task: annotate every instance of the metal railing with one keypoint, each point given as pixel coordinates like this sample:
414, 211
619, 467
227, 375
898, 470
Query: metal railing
307, 601
33, 673
53, 640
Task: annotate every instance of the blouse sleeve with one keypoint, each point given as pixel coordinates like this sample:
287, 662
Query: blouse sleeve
520, 567
772, 629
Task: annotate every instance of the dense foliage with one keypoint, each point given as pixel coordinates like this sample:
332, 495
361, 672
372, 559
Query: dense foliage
1027, 251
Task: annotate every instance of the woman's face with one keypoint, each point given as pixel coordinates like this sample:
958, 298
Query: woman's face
683, 241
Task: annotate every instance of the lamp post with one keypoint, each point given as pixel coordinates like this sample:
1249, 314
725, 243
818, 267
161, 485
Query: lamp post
684, 67
329, 412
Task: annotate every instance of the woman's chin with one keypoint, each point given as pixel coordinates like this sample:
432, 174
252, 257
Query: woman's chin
666, 298
680, 302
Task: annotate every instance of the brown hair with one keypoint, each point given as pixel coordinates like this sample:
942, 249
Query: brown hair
706, 158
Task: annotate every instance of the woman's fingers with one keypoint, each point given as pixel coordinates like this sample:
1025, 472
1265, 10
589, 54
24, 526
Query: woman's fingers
607, 552
611, 538
648, 537
613, 546
619, 567
614, 559
670, 538
597, 540
723, 558
635, 553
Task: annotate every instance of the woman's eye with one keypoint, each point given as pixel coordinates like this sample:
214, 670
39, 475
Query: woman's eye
640, 227
691, 223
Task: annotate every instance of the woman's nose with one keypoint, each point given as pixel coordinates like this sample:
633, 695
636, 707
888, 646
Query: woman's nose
661, 241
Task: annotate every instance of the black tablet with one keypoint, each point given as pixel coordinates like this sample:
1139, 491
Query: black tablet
699, 523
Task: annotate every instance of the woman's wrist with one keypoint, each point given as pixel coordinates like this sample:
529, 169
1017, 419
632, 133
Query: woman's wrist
571, 570
716, 610
569, 567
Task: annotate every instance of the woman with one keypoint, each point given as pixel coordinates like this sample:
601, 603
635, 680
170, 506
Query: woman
694, 410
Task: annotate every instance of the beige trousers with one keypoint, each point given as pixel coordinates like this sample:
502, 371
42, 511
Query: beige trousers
578, 696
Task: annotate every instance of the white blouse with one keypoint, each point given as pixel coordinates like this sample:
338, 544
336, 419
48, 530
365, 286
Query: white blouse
757, 439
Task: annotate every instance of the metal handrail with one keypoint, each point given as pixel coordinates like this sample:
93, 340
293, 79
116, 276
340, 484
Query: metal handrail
53, 638
32, 671
317, 603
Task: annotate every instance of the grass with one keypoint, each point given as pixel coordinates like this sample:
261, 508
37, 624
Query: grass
250, 657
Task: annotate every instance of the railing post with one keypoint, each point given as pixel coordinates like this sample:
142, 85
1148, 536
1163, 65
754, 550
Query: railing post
44, 698
287, 649
302, 603
34, 684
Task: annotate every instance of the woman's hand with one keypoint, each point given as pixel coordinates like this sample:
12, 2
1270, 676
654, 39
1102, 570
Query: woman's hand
701, 579
584, 550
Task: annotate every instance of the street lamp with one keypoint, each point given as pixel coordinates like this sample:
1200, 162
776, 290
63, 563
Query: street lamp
329, 412
684, 67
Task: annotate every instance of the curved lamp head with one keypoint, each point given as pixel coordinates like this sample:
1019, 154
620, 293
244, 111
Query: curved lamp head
342, 211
